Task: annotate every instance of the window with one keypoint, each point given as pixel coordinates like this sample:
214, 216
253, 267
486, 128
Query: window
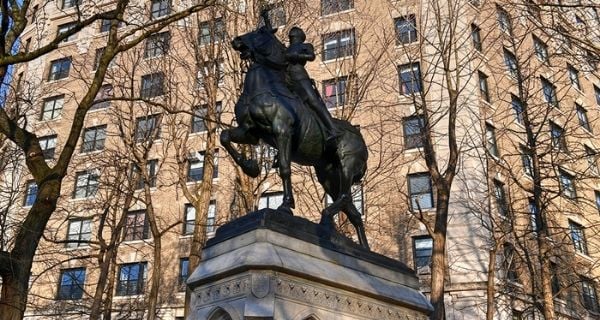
334, 92
558, 137
420, 190
196, 166
140, 182
490, 139
549, 91
93, 138
504, 20
541, 49
410, 78
86, 184
597, 195
338, 44
413, 128
31, 190
71, 284
70, 3
589, 295
573, 76
509, 263
152, 85
52, 107
183, 272
157, 44
483, 86
147, 128
501, 201
527, 161
511, 63
583, 118
517, 107
211, 216
567, 184
189, 219
102, 99
212, 31
406, 29
79, 233
422, 251
48, 145
211, 70
64, 28
333, 6
358, 198
555, 280
199, 117
270, 200
590, 155
533, 216
476, 37
105, 25
597, 94
97, 57
578, 237
160, 8
136, 226
131, 279
276, 14
59, 69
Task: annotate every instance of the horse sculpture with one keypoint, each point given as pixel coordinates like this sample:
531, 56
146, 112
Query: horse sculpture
267, 110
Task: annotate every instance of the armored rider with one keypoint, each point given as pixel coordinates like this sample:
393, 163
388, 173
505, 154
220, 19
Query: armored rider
297, 54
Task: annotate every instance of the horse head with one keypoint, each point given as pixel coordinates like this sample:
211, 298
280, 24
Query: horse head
261, 46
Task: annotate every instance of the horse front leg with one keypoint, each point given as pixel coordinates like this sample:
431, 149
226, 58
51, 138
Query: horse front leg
241, 136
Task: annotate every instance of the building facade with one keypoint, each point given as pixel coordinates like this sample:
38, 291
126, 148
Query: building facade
512, 88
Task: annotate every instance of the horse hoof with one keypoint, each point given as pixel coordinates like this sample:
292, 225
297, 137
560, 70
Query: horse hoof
251, 168
286, 210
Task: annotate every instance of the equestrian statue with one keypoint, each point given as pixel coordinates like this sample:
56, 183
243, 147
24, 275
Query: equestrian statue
281, 106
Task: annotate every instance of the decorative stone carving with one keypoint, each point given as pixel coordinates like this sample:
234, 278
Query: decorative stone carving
261, 285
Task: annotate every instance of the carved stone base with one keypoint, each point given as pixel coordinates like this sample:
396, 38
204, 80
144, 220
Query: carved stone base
271, 266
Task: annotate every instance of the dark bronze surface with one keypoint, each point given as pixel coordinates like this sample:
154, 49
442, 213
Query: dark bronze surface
280, 106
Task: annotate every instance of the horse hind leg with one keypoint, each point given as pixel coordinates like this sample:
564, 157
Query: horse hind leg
356, 219
240, 136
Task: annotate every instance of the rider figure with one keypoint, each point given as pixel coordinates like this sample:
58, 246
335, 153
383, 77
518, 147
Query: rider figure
297, 54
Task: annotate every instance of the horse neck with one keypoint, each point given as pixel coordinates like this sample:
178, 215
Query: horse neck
261, 77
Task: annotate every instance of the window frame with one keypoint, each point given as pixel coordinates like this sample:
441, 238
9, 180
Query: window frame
48, 145
59, 69
90, 187
567, 184
511, 63
198, 124
577, 233
484, 89
269, 197
549, 93
574, 77
584, 121
98, 139
589, 295
491, 142
189, 219
126, 289
157, 44
421, 260
145, 133
339, 87
541, 49
558, 137
199, 159
152, 85
504, 20
151, 167
82, 236
339, 44
71, 283
501, 199
135, 227
406, 29
410, 78
31, 191
476, 37
413, 193
517, 107
183, 273
55, 111
329, 7
159, 8
413, 140
212, 31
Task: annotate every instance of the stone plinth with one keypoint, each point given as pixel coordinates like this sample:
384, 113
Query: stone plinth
268, 265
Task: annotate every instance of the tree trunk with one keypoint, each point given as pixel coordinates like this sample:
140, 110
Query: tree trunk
491, 285
438, 256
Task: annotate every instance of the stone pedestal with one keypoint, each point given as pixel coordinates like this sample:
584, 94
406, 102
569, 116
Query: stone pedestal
268, 265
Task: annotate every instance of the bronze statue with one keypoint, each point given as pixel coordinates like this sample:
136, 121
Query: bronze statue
268, 110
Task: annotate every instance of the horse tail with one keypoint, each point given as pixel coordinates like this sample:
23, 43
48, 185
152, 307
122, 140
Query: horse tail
352, 151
